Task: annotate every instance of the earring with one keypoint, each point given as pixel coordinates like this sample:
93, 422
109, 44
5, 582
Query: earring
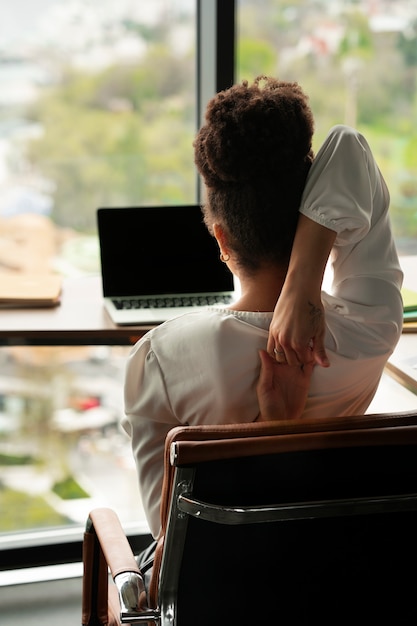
224, 258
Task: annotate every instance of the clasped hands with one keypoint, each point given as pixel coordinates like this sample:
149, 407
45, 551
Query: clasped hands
295, 346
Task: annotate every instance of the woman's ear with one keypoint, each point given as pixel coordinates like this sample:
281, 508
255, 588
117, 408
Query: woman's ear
222, 240
220, 236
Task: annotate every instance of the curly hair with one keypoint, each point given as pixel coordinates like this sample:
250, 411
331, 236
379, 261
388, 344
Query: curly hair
254, 153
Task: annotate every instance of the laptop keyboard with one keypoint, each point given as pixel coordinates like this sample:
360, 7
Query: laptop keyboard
163, 303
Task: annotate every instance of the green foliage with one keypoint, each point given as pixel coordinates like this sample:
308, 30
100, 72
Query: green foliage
87, 153
255, 57
69, 489
16, 459
358, 40
407, 45
96, 145
23, 511
410, 154
367, 79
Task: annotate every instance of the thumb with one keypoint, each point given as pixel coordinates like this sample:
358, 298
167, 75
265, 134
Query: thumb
320, 356
267, 369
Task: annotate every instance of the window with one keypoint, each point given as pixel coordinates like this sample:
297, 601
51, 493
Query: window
98, 107
62, 449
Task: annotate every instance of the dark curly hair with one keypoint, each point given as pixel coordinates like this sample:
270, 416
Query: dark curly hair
254, 153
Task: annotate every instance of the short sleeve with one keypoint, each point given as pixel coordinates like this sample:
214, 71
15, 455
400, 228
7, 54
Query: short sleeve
342, 185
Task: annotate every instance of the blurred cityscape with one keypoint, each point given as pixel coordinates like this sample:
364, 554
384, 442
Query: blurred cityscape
60, 411
53, 175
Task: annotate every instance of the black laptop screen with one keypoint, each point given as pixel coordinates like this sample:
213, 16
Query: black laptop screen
158, 250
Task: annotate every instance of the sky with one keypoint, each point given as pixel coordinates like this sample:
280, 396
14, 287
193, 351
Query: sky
23, 21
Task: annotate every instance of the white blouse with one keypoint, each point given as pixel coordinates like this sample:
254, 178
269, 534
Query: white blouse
203, 367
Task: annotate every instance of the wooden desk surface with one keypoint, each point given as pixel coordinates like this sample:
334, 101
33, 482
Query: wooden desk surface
80, 318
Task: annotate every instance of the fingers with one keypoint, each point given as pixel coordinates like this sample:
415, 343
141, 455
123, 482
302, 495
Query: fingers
267, 365
292, 356
320, 357
281, 389
275, 350
279, 354
314, 352
271, 344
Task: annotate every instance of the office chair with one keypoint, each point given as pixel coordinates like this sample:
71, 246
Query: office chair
292, 522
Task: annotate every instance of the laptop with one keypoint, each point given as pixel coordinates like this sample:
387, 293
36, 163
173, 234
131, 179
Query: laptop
159, 262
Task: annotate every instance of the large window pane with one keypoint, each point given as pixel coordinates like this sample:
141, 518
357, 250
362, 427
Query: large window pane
357, 60
62, 450
97, 108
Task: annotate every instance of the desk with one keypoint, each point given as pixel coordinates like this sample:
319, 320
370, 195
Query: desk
80, 319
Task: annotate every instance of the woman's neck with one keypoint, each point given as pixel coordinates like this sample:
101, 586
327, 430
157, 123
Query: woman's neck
259, 291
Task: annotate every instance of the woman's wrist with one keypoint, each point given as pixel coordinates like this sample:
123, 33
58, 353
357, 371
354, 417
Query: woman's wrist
311, 250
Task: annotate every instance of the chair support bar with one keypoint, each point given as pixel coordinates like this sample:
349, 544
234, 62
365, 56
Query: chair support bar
304, 510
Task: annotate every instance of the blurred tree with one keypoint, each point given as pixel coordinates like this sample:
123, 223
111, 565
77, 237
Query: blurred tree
356, 47
407, 45
256, 57
122, 136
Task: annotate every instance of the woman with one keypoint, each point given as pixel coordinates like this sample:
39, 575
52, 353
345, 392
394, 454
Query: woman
264, 194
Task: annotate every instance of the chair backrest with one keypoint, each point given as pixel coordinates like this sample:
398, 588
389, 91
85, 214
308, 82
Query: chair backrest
292, 522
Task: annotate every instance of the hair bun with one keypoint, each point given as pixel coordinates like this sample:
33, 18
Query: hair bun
254, 132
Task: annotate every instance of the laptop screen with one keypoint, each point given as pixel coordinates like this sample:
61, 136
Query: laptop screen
159, 250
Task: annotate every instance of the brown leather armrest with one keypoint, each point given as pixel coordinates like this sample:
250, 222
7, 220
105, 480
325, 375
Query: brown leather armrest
105, 547
95, 583
113, 541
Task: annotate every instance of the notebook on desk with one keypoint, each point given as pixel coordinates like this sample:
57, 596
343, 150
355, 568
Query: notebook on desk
26, 290
159, 262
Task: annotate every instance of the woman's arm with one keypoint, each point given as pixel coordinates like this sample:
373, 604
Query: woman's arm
297, 328
148, 419
345, 208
